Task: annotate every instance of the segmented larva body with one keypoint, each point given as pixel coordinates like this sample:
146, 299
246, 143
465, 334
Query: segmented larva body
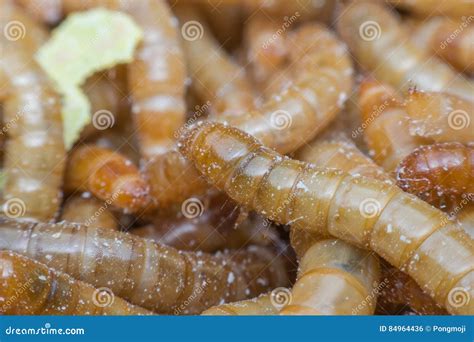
321, 81
151, 275
439, 174
340, 155
407, 232
258, 306
344, 156
89, 212
386, 125
440, 117
453, 8
34, 150
215, 228
156, 75
28, 287
436, 35
334, 278
107, 105
225, 20
266, 52
216, 77
381, 45
466, 217
109, 176
399, 289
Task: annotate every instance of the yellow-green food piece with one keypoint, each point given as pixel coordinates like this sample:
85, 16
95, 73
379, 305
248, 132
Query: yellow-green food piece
85, 43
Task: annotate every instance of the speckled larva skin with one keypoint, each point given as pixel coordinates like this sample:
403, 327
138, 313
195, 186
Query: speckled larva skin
335, 278
453, 8
258, 306
436, 35
439, 174
34, 150
407, 232
344, 156
153, 276
440, 117
339, 155
321, 81
390, 55
386, 123
108, 175
88, 211
157, 74
28, 287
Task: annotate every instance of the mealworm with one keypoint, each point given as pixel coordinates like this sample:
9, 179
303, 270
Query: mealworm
216, 77
216, 227
157, 74
381, 45
344, 156
225, 21
407, 232
385, 125
399, 290
439, 174
147, 274
353, 274
258, 306
436, 35
28, 287
90, 212
34, 151
266, 53
454, 8
109, 176
321, 82
440, 117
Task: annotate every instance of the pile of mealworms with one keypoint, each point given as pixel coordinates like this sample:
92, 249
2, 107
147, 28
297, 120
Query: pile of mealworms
256, 157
